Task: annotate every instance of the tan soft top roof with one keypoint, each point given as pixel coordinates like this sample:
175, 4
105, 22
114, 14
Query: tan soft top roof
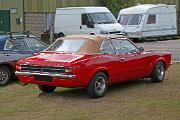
93, 42
93, 37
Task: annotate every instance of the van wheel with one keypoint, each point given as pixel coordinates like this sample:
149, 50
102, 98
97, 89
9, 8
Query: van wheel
158, 73
5, 75
47, 89
92, 34
61, 35
98, 85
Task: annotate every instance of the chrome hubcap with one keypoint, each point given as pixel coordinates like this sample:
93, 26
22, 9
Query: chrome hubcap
100, 85
3, 74
160, 72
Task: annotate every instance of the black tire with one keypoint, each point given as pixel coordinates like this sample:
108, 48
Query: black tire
158, 73
61, 35
5, 75
46, 89
99, 79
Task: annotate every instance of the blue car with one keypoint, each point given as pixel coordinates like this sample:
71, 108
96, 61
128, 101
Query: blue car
14, 47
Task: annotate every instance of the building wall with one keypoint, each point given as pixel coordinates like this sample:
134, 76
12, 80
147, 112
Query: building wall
34, 22
40, 9
51, 5
39, 14
38, 22
18, 4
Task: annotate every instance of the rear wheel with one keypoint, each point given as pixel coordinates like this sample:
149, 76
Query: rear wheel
5, 75
47, 89
61, 35
158, 73
98, 85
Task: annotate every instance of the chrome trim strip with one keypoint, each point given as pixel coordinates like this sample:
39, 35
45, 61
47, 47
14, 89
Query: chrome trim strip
44, 74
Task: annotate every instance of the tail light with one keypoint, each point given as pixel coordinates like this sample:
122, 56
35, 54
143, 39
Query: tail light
69, 70
18, 67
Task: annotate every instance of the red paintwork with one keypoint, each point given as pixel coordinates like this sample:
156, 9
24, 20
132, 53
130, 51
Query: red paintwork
138, 65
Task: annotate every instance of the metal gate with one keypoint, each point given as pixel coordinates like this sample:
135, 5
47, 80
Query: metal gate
5, 20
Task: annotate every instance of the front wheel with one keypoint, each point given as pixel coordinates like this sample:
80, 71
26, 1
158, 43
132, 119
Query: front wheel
98, 85
158, 73
47, 89
5, 75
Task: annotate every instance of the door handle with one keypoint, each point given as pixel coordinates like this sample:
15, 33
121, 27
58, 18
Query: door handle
121, 59
1, 22
7, 54
80, 27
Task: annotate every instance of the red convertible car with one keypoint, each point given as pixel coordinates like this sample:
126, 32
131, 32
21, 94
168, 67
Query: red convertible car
93, 62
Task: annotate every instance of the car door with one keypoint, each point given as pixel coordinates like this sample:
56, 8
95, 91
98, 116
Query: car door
2, 57
15, 49
130, 59
110, 60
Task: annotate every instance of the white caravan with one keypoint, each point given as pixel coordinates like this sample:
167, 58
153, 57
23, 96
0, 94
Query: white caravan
85, 20
149, 20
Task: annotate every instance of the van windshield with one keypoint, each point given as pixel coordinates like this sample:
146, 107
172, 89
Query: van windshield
66, 46
130, 19
102, 18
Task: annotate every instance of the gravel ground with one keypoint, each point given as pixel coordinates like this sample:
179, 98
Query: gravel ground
172, 46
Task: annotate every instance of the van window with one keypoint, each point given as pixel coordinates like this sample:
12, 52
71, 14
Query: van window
104, 17
130, 19
84, 19
151, 19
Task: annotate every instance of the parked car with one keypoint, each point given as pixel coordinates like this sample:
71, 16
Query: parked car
85, 20
149, 20
92, 62
12, 48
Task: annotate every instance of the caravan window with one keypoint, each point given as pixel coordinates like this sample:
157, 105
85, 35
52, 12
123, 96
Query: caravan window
130, 19
124, 19
135, 20
151, 19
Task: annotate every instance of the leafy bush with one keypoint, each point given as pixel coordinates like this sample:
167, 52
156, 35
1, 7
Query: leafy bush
115, 5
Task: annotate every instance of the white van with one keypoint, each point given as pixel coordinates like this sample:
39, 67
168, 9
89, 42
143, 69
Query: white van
85, 20
149, 20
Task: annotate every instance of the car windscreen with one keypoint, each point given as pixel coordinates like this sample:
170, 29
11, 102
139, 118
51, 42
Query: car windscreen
130, 19
34, 44
67, 46
102, 18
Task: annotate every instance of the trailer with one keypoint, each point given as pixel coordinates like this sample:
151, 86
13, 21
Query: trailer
149, 20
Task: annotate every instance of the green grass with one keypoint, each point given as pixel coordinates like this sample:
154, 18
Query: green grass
136, 100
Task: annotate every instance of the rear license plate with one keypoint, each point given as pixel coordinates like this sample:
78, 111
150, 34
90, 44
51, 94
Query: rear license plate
43, 78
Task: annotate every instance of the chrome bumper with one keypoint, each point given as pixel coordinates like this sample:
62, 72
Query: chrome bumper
45, 74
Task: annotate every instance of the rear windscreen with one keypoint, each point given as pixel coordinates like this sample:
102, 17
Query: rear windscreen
69, 46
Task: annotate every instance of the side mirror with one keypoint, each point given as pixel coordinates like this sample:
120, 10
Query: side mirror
90, 24
141, 49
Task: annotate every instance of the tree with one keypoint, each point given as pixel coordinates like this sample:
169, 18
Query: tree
116, 5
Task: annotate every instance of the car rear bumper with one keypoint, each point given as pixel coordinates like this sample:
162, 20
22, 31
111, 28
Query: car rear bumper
58, 80
45, 74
